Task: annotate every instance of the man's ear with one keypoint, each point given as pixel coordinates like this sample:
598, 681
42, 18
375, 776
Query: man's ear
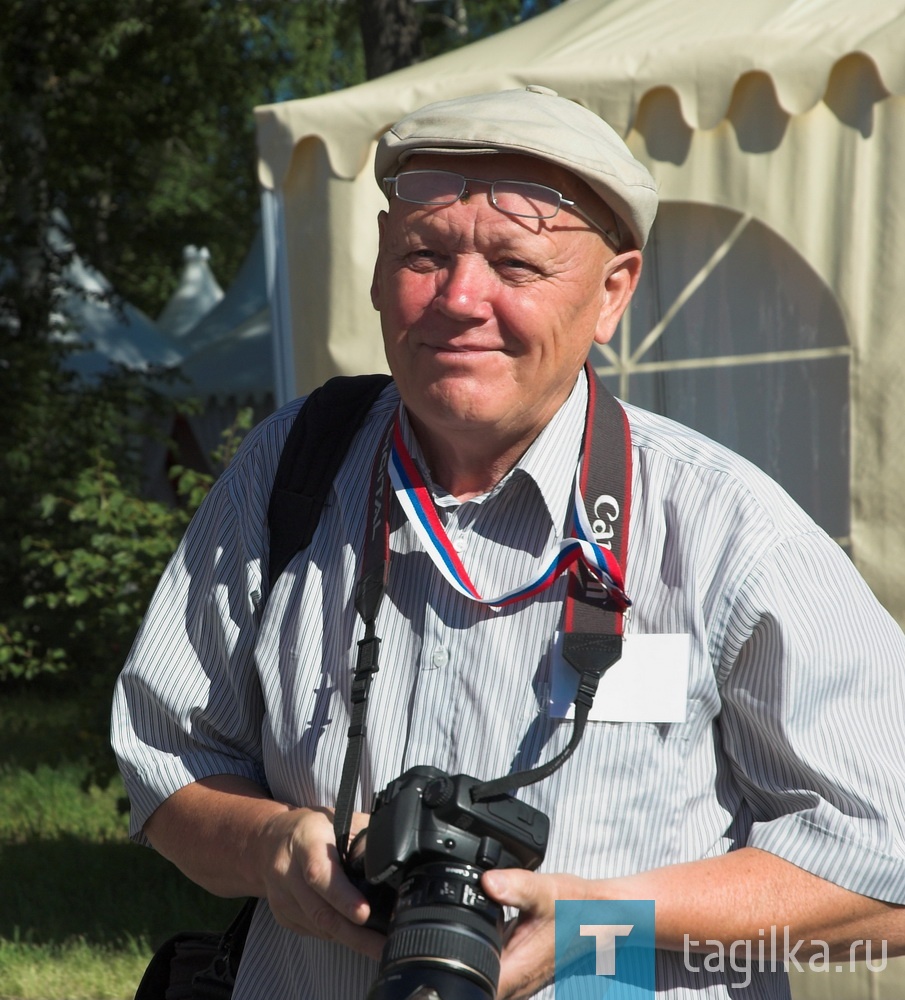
620, 279
375, 278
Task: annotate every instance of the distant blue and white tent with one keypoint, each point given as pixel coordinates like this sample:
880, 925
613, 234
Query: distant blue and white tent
104, 330
198, 293
228, 355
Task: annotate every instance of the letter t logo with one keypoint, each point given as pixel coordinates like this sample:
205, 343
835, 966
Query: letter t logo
606, 935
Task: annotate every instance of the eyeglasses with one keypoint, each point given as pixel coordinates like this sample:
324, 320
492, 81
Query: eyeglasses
523, 199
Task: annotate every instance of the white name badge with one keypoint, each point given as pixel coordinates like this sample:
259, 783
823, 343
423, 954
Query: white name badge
649, 683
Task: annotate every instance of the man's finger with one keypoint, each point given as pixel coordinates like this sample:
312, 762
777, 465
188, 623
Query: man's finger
511, 887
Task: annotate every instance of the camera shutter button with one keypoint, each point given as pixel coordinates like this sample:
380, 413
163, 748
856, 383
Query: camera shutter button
438, 792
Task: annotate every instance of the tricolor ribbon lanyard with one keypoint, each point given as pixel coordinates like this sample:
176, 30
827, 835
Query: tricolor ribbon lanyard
595, 552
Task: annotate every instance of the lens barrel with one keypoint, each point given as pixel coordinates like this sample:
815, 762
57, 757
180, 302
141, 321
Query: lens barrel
445, 937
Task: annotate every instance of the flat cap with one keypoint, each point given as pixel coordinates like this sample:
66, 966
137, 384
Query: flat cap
536, 122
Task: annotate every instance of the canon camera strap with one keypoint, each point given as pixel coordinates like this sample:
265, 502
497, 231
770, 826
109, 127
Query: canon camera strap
595, 604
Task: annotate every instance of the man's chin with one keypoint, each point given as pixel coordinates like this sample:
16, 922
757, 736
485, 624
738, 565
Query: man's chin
458, 405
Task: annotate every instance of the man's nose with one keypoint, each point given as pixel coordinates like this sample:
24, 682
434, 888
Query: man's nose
464, 289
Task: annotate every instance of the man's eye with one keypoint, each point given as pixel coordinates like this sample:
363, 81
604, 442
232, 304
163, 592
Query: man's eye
422, 258
517, 266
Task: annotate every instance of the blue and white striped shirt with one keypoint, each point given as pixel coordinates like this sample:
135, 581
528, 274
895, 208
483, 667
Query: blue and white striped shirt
795, 703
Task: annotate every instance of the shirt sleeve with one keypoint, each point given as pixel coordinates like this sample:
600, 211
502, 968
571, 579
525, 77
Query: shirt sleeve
813, 717
188, 703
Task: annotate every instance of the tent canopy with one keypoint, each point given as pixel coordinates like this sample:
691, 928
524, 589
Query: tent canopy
197, 293
238, 366
228, 352
245, 298
772, 303
104, 330
228, 360
609, 55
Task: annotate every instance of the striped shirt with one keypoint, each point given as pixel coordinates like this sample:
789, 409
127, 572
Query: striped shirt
794, 700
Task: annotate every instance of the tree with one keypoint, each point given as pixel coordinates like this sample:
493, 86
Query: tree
391, 33
134, 119
398, 33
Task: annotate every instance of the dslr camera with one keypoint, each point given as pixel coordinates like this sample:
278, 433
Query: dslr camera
420, 862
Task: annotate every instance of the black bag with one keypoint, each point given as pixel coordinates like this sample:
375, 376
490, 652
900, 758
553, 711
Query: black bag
197, 965
202, 965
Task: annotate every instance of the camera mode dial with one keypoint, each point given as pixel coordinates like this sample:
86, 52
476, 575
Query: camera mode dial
438, 792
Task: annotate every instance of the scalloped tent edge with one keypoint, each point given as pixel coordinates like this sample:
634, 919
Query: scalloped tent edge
560, 49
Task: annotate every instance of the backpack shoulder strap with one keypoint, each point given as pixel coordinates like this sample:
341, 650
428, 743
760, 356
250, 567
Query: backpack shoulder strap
314, 450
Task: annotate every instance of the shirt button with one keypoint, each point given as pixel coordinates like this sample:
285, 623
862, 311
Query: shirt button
460, 545
440, 656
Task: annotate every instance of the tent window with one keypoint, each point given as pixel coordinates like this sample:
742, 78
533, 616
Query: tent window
732, 333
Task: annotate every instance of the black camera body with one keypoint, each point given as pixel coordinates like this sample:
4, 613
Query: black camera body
420, 863
427, 815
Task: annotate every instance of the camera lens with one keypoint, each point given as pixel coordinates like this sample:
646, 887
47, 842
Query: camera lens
444, 940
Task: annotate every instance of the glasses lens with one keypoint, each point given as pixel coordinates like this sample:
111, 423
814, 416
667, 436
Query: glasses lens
531, 201
443, 187
430, 187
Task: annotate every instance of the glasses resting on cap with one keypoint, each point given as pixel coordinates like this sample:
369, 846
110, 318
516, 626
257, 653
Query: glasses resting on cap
523, 199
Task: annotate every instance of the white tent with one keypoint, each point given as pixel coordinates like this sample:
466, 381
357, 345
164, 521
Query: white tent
103, 329
245, 298
197, 293
106, 332
230, 373
229, 355
771, 315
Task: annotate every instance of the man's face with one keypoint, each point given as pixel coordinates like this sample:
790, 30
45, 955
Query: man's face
487, 318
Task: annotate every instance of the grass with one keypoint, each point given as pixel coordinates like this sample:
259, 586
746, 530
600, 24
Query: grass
74, 971
81, 908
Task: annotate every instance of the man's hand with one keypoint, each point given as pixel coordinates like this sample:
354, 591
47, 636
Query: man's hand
229, 836
306, 887
727, 898
529, 949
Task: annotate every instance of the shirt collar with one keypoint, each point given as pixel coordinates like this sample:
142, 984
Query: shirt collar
553, 456
550, 461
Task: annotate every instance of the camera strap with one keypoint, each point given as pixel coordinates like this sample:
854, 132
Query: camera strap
595, 603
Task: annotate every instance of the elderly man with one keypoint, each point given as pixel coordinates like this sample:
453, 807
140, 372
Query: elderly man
759, 789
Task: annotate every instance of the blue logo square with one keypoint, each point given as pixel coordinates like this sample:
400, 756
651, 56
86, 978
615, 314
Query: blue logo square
604, 949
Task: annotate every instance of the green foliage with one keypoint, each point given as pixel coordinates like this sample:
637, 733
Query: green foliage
135, 118
98, 566
141, 128
57, 435
324, 48
102, 550
91, 564
450, 24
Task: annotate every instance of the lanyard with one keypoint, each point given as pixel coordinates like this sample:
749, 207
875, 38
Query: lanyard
595, 552
415, 500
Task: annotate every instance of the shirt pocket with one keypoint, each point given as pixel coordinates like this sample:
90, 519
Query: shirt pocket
622, 802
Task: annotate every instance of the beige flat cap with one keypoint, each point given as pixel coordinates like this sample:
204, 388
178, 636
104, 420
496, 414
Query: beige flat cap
537, 122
